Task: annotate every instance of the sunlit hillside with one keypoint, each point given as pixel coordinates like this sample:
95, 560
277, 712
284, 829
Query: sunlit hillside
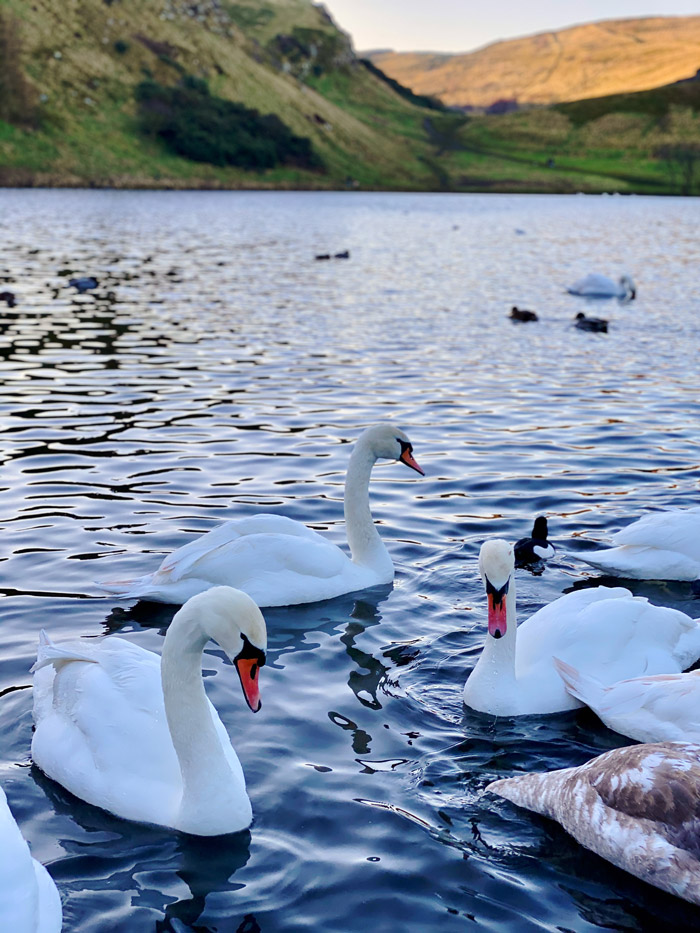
591, 60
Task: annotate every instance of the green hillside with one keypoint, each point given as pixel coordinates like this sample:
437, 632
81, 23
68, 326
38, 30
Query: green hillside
70, 73
646, 142
270, 94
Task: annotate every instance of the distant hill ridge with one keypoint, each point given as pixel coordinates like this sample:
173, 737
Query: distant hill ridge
589, 60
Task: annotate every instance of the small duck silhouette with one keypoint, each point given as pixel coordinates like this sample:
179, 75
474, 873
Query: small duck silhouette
597, 324
536, 548
518, 314
84, 284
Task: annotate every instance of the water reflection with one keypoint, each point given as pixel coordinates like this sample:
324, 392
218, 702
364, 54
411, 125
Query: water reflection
141, 866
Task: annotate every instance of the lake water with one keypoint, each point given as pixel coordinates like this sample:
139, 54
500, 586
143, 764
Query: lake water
219, 370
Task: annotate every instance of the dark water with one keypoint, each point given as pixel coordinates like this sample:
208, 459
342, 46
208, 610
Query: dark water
217, 371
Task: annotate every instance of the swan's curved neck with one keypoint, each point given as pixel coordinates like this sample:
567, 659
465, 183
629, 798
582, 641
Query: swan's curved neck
366, 546
208, 782
494, 676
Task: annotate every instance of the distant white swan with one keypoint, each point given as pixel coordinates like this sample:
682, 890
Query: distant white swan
651, 708
660, 546
135, 734
279, 561
603, 631
638, 807
29, 899
595, 285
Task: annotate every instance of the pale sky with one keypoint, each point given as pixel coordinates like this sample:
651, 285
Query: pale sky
462, 25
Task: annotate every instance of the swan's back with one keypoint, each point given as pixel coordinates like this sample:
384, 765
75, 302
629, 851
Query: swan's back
638, 807
675, 530
607, 632
104, 735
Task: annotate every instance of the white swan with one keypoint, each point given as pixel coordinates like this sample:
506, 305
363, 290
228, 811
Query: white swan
29, 899
638, 807
660, 546
595, 285
135, 734
654, 708
279, 561
604, 631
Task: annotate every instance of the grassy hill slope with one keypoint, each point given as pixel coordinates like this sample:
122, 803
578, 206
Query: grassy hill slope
74, 66
591, 60
647, 142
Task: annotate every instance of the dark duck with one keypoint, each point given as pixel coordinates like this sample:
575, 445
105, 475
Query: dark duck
536, 548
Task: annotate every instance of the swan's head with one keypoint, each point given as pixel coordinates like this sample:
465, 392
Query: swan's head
628, 287
235, 622
390, 442
496, 566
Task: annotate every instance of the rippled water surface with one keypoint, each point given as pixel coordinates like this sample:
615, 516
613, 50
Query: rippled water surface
219, 370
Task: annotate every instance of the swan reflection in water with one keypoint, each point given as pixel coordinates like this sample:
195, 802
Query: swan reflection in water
139, 868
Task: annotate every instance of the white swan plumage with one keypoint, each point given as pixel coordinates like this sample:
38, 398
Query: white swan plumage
651, 708
638, 807
29, 898
135, 734
659, 546
603, 631
595, 285
279, 561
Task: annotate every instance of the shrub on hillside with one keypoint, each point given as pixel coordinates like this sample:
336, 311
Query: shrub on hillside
17, 96
195, 124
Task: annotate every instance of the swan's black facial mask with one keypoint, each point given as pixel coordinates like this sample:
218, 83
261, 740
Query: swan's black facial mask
248, 662
407, 456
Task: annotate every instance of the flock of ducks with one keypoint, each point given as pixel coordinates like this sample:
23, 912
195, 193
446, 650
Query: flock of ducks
134, 733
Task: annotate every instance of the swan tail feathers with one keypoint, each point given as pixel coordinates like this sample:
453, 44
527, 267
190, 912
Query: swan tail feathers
51, 653
585, 688
128, 589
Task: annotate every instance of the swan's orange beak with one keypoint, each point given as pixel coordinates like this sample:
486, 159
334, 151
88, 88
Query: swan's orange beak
497, 614
248, 670
407, 458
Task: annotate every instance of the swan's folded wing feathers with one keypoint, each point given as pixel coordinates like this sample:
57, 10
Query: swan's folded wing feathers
246, 559
104, 715
216, 544
671, 530
611, 633
659, 782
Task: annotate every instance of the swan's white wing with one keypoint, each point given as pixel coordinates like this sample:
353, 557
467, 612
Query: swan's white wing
29, 900
672, 530
219, 539
609, 634
633, 562
665, 707
105, 736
